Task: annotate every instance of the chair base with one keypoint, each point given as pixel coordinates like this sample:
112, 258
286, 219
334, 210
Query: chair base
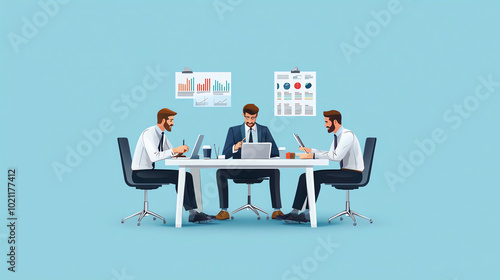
250, 207
145, 212
350, 213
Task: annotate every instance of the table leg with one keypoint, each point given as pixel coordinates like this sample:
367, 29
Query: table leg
311, 196
197, 187
181, 184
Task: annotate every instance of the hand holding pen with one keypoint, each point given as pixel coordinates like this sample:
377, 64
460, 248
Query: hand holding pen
238, 145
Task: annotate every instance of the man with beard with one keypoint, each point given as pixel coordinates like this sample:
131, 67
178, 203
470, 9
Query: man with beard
249, 132
154, 146
344, 149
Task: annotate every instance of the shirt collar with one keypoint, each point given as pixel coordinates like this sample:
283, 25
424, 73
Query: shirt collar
339, 131
254, 127
158, 130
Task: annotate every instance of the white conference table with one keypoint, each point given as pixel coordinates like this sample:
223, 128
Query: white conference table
196, 164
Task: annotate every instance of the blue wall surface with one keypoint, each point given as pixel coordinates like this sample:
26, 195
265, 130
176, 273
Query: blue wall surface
421, 76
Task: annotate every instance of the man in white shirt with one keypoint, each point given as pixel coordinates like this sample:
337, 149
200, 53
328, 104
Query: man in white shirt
345, 149
154, 146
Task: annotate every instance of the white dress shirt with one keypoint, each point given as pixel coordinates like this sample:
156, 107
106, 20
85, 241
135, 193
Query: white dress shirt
348, 150
255, 136
146, 150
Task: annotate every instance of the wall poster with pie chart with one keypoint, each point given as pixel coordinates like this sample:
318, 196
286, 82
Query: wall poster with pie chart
207, 89
294, 93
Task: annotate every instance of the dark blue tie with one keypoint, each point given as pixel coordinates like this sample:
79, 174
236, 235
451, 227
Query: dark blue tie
160, 145
335, 147
250, 139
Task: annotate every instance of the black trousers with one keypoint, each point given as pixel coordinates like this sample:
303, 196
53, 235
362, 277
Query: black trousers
165, 176
274, 183
323, 177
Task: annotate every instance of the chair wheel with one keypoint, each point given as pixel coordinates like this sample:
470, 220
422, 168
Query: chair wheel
123, 221
371, 222
154, 218
267, 218
329, 222
341, 218
138, 224
164, 222
232, 217
258, 218
354, 224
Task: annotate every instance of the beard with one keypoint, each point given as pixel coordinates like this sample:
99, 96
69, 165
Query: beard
250, 124
331, 129
168, 127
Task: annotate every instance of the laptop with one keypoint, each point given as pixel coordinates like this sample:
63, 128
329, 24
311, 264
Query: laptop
196, 149
256, 151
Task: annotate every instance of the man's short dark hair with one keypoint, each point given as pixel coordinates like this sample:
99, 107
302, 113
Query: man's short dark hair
333, 115
251, 109
164, 114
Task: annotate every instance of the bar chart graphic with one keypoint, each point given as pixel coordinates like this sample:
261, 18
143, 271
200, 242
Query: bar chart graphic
186, 89
294, 93
220, 88
203, 87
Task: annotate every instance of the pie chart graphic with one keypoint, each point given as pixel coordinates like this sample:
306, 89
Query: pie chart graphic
297, 85
308, 85
286, 86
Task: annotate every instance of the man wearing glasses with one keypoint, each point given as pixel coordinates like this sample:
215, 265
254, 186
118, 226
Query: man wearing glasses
248, 132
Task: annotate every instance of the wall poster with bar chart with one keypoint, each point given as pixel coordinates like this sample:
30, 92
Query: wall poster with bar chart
207, 89
295, 94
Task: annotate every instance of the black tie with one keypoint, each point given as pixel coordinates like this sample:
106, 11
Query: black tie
335, 147
250, 140
160, 145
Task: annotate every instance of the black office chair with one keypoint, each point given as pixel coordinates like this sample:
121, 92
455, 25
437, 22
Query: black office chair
249, 205
127, 174
368, 161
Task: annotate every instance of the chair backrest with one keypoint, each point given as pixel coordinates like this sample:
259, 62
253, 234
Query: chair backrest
126, 160
368, 159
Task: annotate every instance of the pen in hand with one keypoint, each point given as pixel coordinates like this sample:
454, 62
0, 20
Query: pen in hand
237, 146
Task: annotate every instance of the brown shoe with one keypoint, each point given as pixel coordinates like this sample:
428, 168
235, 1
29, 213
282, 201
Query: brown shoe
223, 215
277, 213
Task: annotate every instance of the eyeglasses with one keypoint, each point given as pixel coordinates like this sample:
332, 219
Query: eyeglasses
250, 118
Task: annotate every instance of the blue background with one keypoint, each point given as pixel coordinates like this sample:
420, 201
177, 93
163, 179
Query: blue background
439, 222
